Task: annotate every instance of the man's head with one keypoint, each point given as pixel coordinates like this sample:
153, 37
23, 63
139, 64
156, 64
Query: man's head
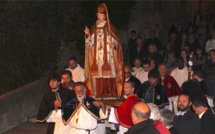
199, 29
54, 81
168, 46
162, 70
133, 33
152, 34
167, 117
153, 76
73, 62
184, 102
155, 113
143, 36
180, 63
173, 36
153, 64
139, 42
212, 54
198, 74
129, 87
147, 24
80, 90
191, 37
127, 72
179, 26
137, 62
67, 77
184, 54
101, 13
146, 65
140, 112
171, 54
199, 106
156, 27
184, 36
199, 51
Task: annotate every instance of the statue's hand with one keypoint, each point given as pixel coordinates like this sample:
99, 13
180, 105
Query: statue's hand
112, 45
86, 30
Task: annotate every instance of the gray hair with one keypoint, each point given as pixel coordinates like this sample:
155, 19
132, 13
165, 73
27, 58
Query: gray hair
155, 113
167, 117
79, 83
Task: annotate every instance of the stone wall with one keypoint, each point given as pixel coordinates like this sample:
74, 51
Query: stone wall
20, 104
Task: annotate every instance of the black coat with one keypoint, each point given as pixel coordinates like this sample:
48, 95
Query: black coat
187, 124
136, 81
47, 105
208, 123
172, 130
137, 53
144, 127
160, 96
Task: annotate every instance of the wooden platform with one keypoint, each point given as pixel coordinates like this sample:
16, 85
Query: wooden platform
111, 101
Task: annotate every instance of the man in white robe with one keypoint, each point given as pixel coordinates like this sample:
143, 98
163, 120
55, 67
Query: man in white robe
180, 74
76, 70
143, 75
79, 116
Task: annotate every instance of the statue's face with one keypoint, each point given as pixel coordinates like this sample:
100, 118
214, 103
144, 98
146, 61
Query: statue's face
101, 17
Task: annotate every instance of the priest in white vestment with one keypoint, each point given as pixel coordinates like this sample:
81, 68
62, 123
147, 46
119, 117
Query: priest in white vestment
180, 74
79, 116
76, 70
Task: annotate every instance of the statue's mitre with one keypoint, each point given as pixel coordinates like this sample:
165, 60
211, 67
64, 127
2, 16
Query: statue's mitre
102, 8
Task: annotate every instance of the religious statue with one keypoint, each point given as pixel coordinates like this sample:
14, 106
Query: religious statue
104, 62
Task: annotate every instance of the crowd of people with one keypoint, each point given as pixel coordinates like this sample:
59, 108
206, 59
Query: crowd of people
168, 89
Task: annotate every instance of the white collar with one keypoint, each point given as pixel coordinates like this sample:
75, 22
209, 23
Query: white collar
127, 79
76, 67
181, 113
100, 24
200, 116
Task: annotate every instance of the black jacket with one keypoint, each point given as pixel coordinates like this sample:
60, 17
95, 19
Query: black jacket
160, 96
144, 127
208, 123
187, 124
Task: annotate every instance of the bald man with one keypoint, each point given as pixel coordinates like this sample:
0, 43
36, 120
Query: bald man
130, 77
140, 118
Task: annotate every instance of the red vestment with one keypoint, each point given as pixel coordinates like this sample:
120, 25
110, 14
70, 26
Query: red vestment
111, 70
171, 86
123, 112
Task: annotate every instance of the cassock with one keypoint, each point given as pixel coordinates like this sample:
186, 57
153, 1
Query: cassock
102, 62
207, 122
180, 75
77, 117
142, 76
47, 105
172, 89
135, 70
153, 94
77, 73
122, 115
